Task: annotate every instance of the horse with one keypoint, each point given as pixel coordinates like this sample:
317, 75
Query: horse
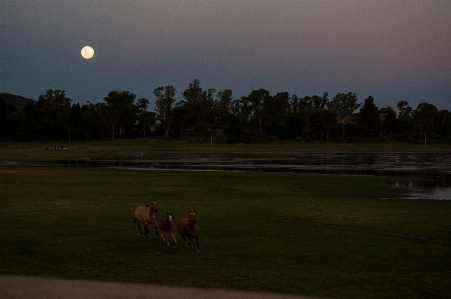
187, 228
146, 215
164, 226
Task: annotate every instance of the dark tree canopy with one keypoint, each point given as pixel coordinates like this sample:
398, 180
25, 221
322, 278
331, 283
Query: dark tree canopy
204, 114
369, 118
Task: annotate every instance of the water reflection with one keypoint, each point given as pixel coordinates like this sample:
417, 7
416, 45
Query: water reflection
425, 189
428, 175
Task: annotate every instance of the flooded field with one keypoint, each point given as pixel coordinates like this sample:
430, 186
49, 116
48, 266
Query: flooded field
427, 175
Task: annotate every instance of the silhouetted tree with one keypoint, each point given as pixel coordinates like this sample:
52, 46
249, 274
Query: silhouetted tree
203, 112
74, 122
35, 130
195, 98
369, 117
442, 123
183, 117
17, 124
144, 116
424, 115
344, 105
116, 110
306, 112
403, 108
257, 100
6, 128
390, 123
164, 102
92, 123
53, 108
243, 110
275, 118
405, 121
224, 105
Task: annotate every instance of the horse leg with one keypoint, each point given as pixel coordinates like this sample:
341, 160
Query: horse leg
156, 232
175, 241
166, 237
197, 243
146, 231
139, 227
184, 241
162, 236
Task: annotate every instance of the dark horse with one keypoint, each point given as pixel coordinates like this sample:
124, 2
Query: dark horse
187, 228
165, 228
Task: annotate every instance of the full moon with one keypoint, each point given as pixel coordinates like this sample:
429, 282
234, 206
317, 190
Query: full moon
87, 52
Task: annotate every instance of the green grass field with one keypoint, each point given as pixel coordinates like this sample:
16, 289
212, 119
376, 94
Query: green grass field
145, 148
317, 235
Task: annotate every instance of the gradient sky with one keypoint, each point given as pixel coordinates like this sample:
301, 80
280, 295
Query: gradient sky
391, 50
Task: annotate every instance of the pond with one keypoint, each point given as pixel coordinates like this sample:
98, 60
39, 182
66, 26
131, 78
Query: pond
427, 175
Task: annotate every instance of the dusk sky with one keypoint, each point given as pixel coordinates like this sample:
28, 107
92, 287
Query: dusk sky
391, 50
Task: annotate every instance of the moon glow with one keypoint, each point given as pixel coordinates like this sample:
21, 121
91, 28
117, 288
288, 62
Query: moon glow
87, 52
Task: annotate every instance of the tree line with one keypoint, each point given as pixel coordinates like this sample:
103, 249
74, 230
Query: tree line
203, 114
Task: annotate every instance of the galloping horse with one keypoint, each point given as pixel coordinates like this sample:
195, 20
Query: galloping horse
187, 228
164, 226
146, 215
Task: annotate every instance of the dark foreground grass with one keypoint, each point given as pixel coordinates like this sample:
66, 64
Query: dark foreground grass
332, 236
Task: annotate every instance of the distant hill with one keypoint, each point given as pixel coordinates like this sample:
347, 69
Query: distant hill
16, 100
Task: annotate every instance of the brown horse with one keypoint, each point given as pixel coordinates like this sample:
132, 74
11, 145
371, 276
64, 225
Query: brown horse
146, 215
164, 226
187, 228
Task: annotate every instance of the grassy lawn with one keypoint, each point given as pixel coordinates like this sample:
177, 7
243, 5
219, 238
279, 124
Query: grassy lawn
318, 235
148, 148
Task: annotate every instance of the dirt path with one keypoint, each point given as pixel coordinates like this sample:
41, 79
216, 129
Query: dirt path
14, 287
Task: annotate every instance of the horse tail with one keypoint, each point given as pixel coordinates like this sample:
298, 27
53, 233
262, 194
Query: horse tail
134, 220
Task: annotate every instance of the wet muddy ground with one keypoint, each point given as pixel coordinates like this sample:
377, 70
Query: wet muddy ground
427, 175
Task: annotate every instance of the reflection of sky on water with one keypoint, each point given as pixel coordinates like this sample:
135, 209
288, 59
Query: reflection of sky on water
427, 175
426, 190
433, 169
